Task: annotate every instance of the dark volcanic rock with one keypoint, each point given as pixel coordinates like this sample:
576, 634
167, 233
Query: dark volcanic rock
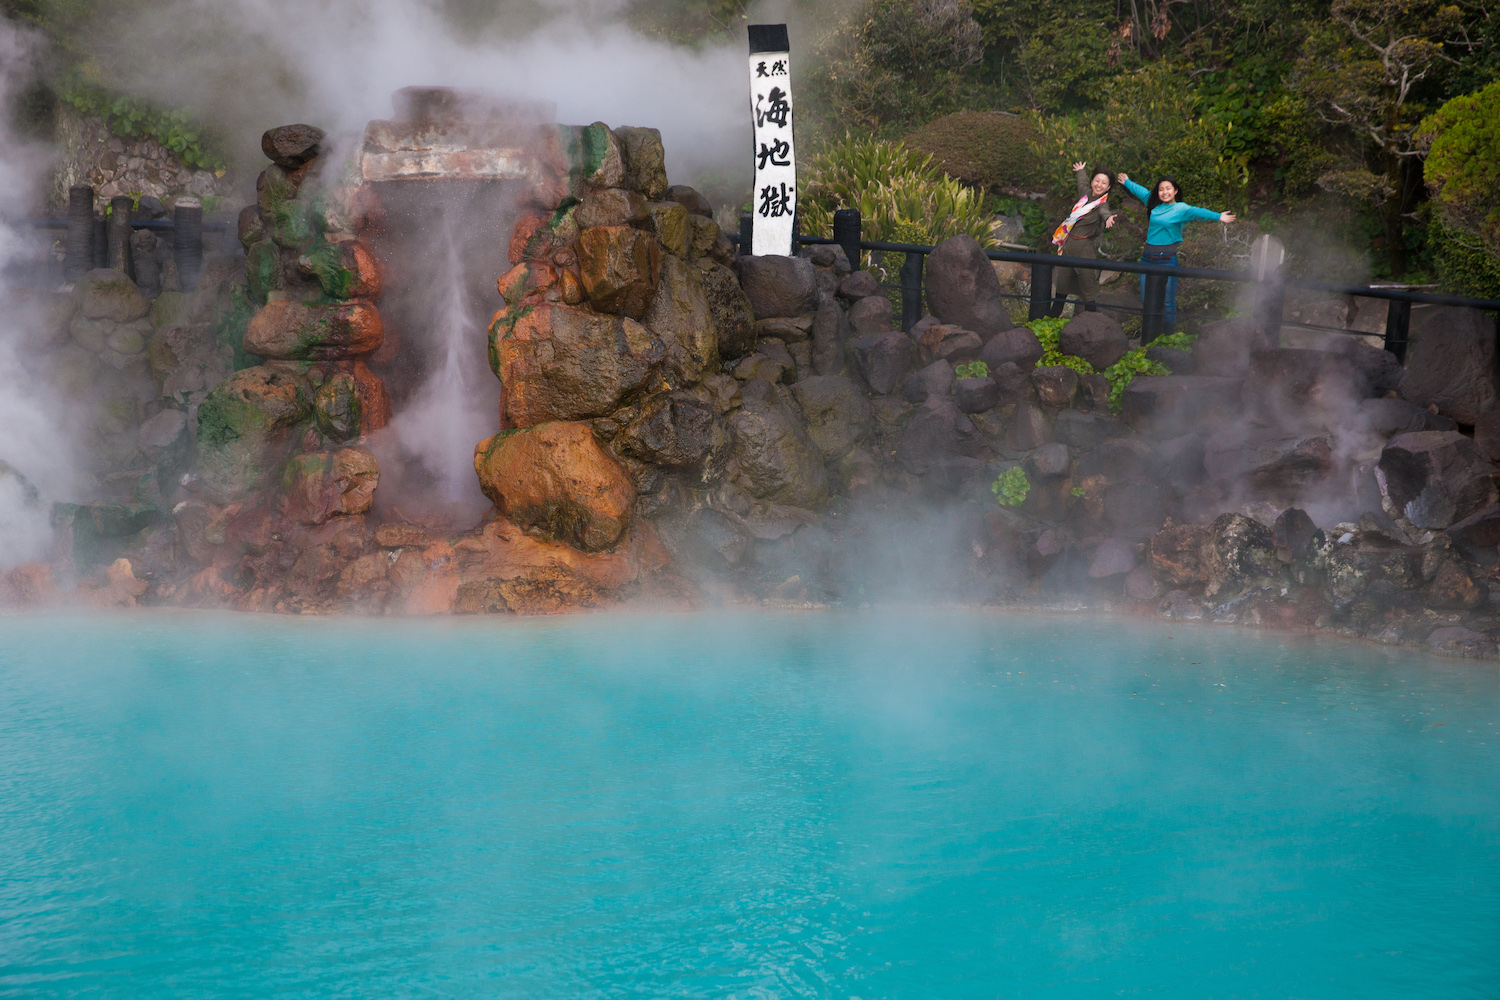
962, 287
1178, 362
883, 359
778, 286
1486, 434
730, 308
1453, 589
1271, 465
1095, 338
859, 285
1028, 428
1113, 557
1018, 346
1054, 385
1238, 552
838, 415
770, 362
290, 146
871, 315
1014, 383
1294, 535
675, 429
1176, 554
1049, 461
1386, 417
1452, 364
1136, 508
1478, 532
976, 395
937, 431
1435, 478
830, 332
934, 380
1287, 380
1084, 430
1223, 348
1175, 404
775, 458
690, 199
949, 343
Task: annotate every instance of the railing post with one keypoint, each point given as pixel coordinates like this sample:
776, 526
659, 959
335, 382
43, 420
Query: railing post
911, 290
1269, 302
747, 233
846, 233
1156, 304
1041, 291
796, 233
187, 241
79, 256
1397, 326
118, 231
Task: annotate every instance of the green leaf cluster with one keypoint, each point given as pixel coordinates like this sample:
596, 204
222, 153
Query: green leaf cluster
971, 369
133, 117
1011, 487
1119, 374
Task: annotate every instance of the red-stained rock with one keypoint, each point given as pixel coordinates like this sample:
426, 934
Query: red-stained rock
620, 267
949, 343
1175, 554
555, 478
29, 584
538, 236
562, 363
1454, 589
296, 331
528, 278
325, 484
347, 270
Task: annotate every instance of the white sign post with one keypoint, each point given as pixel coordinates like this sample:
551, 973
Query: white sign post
775, 200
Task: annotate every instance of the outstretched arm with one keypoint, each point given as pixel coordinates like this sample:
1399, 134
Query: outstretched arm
1208, 215
1135, 189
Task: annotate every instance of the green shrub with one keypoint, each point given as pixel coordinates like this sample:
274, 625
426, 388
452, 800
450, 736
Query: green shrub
971, 369
986, 148
1119, 374
901, 196
1463, 162
1122, 372
1011, 487
132, 116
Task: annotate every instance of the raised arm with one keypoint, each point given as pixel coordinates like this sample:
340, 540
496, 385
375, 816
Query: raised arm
1083, 178
1136, 189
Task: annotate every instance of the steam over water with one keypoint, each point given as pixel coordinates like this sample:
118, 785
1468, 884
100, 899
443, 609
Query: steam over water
903, 805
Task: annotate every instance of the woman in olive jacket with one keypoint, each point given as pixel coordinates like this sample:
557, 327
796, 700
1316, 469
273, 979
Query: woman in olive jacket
1078, 236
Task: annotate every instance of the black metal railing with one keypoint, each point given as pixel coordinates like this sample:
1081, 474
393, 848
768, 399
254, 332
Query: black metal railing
1269, 301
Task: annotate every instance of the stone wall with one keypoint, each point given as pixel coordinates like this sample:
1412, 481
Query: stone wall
114, 165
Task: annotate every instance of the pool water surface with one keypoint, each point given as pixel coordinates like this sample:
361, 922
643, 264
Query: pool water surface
887, 804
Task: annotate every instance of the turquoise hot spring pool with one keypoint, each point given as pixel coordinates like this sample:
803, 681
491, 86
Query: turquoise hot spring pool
886, 804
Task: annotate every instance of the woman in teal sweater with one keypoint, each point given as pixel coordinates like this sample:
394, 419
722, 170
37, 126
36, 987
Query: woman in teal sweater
1166, 215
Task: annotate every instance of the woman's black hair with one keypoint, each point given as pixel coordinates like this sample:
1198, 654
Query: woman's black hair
1155, 198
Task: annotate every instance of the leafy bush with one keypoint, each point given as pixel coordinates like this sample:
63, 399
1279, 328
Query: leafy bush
972, 369
1011, 487
986, 148
1463, 161
901, 196
1119, 374
131, 117
1048, 331
1122, 372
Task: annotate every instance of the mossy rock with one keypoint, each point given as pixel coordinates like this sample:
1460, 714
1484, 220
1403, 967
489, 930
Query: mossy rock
986, 148
244, 427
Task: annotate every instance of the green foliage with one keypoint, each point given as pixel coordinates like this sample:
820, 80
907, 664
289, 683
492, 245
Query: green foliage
1177, 339
972, 369
901, 196
1048, 330
1120, 374
1466, 265
133, 117
1463, 161
1079, 491
986, 148
1011, 487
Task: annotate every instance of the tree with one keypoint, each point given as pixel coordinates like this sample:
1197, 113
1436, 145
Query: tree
1362, 73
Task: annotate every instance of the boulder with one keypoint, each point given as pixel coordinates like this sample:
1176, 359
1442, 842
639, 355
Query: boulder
1294, 535
1452, 363
1456, 640
555, 479
645, 161
731, 310
1054, 385
1238, 552
1177, 362
1269, 463
1113, 557
1174, 404
681, 317
1013, 381
325, 484
337, 408
291, 146
1176, 554
690, 199
1434, 478
1135, 508
948, 343
1486, 433
883, 359
343, 270
859, 285
620, 267
245, 428
1049, 461
937, 431
838, 415
541, 237
164, 439
874, 314
788, 331
962, 288
1018, 346
561, 363
1223, 348
675, 429
830, 332
1285, 380
1387, 417
110, 295
1095, 338
774, 458
1084, 430
771, 361
976, 395
674, 229
934, 380
1454, 589
1028, 428
296, 331
611, 207
778, 286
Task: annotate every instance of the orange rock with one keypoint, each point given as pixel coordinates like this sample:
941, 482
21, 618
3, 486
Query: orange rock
538, 236
373, 398
555, 478
527, 279
30, 584
327, 484
297, 331
620, 267
562, 363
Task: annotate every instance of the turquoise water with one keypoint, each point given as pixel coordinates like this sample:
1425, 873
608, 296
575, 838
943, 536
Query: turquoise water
934, 805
